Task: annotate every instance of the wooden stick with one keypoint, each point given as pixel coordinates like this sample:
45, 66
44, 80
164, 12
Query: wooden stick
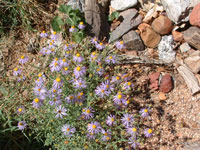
131, 59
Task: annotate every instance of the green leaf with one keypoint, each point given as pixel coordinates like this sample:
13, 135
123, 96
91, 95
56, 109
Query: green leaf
65, 9
113, 15
57, 23
69, 21
78, 37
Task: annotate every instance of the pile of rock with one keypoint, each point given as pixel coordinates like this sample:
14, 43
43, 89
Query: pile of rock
166, 27
169, 27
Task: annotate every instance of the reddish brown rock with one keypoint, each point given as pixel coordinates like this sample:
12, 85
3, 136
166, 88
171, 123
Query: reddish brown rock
166, 83
149, 36
143, 26
162, 25
195, 16
162, 96
177, 36
154, 80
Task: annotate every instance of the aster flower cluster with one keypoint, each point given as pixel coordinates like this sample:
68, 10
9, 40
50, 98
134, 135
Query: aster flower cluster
73, 89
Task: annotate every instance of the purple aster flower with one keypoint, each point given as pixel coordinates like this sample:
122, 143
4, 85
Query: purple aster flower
70, 99
20, 109
79, 83
91, 136
148, 132
72, 29
94, 40
110, 120
126, 102
116, 79
132, 131
106, 135
100, 46
21, 125
37, 103
128, 85
81, 25
39, 82
57, 83
78, 58
60, 111
43, 34
120, 45
126, 77
127, 119
22, 78
67, 54
93, 56
101, 91
65, 71
55, 91
40, 91
144, 112
80, 97
100, 70
79, 71
132, 141
88, 113
54, 36
55, 65
108, 86
45, 51
51, 44
55, 101
119, 98
94, 127
52, 51
110, 60
17, 71
63, 62
67, 47
23, 59
68, 130
42, 76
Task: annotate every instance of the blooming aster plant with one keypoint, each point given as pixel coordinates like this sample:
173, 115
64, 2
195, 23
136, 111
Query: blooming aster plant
80, 99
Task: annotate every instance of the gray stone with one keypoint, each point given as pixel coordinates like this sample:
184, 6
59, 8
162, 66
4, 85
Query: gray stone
131, 20
96, 19
132, 41
177, 10
120, 5
192, 146
192, 36
185, 47
77, 4
165, 49
193, 61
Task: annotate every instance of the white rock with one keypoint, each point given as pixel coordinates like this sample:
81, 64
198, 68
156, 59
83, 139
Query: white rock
152, 13
185, 47
177, 10
194, 2
120, 5
165, 49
